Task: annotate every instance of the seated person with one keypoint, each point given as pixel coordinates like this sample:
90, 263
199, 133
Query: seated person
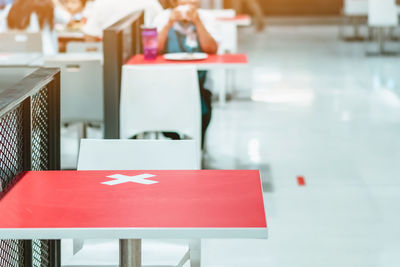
185, 28
36, 16
79, 10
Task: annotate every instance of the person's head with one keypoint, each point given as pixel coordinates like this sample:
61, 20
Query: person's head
74, 6
20, 13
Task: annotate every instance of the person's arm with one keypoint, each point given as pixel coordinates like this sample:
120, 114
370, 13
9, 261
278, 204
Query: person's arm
207, 42
163, 33
163, 36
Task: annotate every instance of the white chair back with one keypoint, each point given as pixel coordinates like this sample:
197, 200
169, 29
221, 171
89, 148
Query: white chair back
84, 47
138, 155
21, 42
383, 13
160, 99
227, 30
355, 8
81, 87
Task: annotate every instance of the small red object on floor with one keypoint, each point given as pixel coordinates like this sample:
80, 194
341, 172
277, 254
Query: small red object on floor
301, 181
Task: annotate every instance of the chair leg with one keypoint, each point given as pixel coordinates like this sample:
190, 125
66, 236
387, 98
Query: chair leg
195, 253
184, 259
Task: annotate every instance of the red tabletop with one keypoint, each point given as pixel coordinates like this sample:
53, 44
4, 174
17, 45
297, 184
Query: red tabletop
241, 17
225, 59
135, 200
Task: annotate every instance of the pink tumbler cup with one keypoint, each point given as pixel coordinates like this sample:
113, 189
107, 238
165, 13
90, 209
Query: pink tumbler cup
150, 42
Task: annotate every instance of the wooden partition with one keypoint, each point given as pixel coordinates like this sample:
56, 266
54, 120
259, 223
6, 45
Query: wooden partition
120, 42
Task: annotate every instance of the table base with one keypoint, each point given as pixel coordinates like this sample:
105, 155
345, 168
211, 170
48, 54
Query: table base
130, 253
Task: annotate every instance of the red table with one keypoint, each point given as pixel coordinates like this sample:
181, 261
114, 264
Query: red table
222, 63
134, 205
239, 20
212, 62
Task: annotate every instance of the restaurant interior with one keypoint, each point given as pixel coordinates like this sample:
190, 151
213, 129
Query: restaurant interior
236, 133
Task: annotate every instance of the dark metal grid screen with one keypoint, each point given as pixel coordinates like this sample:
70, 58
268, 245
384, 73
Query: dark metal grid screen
11, 146
11, 164
12, 252
40, 161
40, 131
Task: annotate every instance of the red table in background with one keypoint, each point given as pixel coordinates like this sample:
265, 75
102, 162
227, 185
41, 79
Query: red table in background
239, 20
222, 63
134, 205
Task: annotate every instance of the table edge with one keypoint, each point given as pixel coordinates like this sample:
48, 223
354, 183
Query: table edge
134, 233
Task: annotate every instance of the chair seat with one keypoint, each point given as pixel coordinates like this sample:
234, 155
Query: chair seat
105, 253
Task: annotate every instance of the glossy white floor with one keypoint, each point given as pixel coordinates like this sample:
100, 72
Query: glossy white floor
323, 110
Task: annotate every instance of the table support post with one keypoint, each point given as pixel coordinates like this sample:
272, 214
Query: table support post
222, 88
130, 253
195, 253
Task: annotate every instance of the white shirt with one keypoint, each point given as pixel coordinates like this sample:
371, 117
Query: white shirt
105, 13
49, 37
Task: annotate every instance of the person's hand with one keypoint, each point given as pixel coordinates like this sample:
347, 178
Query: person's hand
193, 15
176, 15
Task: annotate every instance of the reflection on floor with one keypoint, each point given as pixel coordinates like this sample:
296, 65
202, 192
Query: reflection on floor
322, 110
318, 108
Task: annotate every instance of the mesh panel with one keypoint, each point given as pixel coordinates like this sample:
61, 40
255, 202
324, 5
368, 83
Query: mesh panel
11, 164
11, 146
40, 161
11, 253
40, 131
41, 255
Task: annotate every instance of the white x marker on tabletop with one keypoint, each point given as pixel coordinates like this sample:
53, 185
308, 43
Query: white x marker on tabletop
121, 179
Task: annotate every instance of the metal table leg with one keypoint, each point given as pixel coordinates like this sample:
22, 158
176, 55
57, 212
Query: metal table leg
130, 253
222, 88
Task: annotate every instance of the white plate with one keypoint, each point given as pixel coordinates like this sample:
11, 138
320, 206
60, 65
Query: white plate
185, 56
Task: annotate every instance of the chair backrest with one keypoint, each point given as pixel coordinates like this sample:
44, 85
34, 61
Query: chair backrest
226, 30
81, 86
138, 155
157, 99
383, 13
85, 47
21, 42
355, 8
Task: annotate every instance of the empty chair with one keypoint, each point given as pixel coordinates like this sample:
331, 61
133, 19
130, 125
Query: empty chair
160, 99
138, 154
81, 87
227, 30
131, 155
26, 42
84, 47
355, 11
355, 8
382, 14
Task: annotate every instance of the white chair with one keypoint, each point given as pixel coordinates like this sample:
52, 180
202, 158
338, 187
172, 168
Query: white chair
221, 80
226, 30
382, 14
160, 99
81, 87
355, 8
84, 47
21, 42
131, 155
355, 11
138, 155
